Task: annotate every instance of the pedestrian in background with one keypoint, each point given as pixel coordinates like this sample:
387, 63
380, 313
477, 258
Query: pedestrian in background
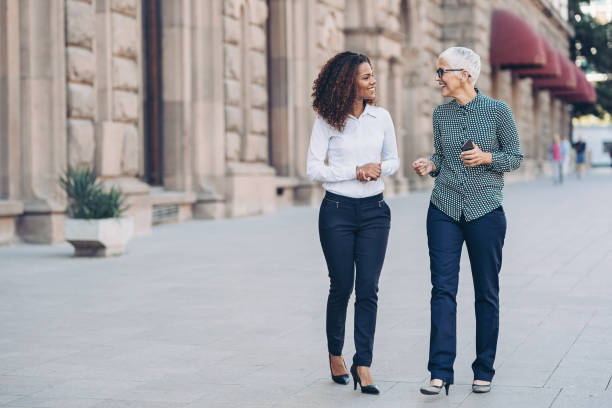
580, 148
566, 156
475, 142
557, 160
354, 136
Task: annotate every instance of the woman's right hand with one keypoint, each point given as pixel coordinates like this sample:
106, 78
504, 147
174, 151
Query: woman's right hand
423, 166
369, 172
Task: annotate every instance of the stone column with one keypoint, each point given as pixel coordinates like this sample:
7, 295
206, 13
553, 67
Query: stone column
422, 27
251, 187
118, 83
10, 149
280, 54
317, 28
523, 110
396, 108
208, 119
43, 119
566, 119
553, 118
177, 94
538, 129
80, 81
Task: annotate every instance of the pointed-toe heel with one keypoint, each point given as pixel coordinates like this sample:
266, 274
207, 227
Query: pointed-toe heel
481, 389
435, 389
366, 389
339, 379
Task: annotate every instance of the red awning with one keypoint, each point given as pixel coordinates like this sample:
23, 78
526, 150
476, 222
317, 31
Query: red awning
552, 68
567, 79
514, 43
584, 91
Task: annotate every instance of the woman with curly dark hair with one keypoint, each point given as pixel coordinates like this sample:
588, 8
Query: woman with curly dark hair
358, 140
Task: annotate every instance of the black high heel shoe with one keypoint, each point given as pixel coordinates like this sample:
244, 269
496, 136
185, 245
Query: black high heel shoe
366, 389
435, 389
340, 379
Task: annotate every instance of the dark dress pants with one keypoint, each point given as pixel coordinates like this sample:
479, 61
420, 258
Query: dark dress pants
484, 238
353, 233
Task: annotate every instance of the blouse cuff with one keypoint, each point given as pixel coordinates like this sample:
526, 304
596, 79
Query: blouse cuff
498, 162
347, 172
437, 163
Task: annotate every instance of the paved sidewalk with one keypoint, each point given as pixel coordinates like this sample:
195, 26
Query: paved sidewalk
230, 313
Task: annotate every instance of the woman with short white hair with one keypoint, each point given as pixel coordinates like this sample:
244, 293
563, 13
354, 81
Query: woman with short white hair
475, 143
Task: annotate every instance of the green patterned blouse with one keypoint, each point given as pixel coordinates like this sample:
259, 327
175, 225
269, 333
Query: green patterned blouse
473, 191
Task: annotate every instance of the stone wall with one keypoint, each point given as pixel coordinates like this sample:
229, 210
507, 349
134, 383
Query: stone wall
421, 20
33, 138
250, 185
246, 99
236, 80
117, 78
80, 79
10, 206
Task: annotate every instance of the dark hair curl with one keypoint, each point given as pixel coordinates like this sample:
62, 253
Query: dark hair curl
335, 89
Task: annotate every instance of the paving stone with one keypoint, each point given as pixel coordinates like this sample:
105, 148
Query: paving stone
231, 312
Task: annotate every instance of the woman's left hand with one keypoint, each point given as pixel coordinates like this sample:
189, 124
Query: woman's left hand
476, 157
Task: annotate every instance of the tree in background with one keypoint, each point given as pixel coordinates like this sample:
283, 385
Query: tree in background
592, 46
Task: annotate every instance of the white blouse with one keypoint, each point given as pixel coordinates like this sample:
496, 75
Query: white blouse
367, 139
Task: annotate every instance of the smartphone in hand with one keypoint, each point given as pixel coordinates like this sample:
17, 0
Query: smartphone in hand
468, 145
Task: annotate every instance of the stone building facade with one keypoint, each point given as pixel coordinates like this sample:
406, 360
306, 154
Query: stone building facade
202, 108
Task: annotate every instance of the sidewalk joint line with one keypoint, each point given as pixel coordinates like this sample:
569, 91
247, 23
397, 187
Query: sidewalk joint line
570, 347
556, 396
540, 323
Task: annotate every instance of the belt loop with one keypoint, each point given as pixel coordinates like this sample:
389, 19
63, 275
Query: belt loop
379, 203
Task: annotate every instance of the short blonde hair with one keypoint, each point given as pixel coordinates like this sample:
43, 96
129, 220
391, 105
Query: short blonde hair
461, 57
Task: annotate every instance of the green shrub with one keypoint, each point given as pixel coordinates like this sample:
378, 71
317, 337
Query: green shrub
87, 198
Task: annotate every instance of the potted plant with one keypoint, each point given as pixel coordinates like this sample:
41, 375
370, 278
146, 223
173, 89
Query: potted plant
95, 225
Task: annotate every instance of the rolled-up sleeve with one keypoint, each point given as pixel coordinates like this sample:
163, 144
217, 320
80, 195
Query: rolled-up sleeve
510, 156
390, 158
438, 155
316, 169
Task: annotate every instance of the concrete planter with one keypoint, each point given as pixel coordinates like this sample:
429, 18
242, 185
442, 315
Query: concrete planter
103, 237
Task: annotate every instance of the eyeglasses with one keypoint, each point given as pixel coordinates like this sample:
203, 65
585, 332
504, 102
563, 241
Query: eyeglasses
441, 71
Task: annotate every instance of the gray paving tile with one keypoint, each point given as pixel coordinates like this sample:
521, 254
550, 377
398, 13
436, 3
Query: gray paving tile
183, 319
86, 388
136, 404
67, 401
21, 386
501, 396
579, 398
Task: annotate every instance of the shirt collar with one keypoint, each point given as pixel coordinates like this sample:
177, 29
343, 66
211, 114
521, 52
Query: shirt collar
471, 105
368, 110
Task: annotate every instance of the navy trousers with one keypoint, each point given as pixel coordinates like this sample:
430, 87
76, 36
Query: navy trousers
484, 238
353, 233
